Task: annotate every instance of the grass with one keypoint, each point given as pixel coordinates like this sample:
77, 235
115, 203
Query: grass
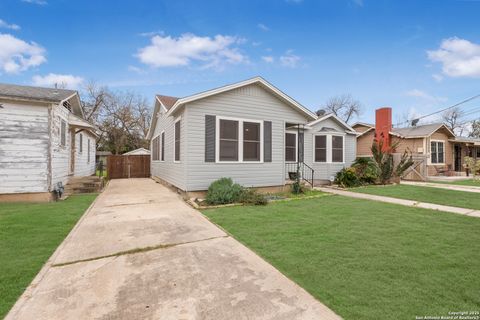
104, 173
305, 193
29, 234
453, 198
468, 182
365, 259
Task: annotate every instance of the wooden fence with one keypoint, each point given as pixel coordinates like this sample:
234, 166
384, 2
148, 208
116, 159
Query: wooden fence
133, 166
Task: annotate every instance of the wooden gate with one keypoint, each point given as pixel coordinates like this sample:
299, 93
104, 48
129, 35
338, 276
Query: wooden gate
134, 166
418, 171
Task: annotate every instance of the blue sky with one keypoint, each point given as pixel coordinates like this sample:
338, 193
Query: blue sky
416, 56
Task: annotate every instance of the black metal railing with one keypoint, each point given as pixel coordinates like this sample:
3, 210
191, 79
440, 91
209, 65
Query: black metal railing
305, 172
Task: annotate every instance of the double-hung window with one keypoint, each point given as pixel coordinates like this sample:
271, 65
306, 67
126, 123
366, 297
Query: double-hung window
162, 153
329, 148
437, 152
88, 150
239, 140
177, 140
290, 147
155, 148
80, 141
63, 133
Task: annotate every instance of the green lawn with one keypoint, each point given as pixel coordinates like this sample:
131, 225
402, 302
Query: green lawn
365, 259
469, 182
29, 234
453, 198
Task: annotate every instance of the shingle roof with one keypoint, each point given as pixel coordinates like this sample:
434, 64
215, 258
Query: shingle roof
35, 93
418, 131
167, 101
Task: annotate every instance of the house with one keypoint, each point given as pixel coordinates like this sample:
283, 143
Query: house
443, 152
249, 131
44, 141
138, 152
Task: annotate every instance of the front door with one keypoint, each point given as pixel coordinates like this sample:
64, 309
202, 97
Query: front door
458, 158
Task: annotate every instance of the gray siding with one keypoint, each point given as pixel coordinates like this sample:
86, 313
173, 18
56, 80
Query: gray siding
84, 167
250, 102
168, 170
60, 154
323, 171
23, 148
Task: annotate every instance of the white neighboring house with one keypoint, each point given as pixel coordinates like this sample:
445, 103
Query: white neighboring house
44, 140
137, 152
249, 131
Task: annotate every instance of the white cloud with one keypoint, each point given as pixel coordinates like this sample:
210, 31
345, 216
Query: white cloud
213, 52
17, 55
151, 33
61, 80
416, 93
459, 57
4, 24
268, 59
263, 27
289, 59
39, 2
437, 77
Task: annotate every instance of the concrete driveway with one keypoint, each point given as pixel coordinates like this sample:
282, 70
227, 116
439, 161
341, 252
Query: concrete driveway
141, 253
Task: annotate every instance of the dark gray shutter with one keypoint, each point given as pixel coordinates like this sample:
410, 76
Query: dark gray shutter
210, 125
267, 141
300, 146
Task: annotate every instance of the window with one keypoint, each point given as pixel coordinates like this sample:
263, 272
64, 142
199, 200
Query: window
251, 141
163, 147
291, 147
63, 133
177, 140
320, 148
437, 151
239, 140
229, 140
80, 142
155, 148
88, 150
337, 149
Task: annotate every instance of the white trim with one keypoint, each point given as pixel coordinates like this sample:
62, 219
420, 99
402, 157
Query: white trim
330, 115
80, 142
240, 139
247, 82
162, 147
329, 148
285, 145
152, 154
174, 144
359, 134
430, 153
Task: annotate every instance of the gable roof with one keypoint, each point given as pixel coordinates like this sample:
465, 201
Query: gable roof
331, 115
420, 131
369, 125
35, 93
172, 103
136, 151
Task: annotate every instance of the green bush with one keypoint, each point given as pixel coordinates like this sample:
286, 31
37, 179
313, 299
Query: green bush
347, 178
252, 197
366, 170
223, 191
297, 188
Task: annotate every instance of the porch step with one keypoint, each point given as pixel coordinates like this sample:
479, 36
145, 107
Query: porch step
90, 184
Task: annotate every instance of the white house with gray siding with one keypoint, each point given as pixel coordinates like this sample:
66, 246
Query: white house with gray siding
249, 131
44, 140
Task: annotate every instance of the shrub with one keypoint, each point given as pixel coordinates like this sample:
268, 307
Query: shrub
387, 171
223, 191
366, 170
252, 197
297, 188
347, 178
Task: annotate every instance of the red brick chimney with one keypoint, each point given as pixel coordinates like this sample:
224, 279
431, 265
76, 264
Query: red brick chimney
383, 126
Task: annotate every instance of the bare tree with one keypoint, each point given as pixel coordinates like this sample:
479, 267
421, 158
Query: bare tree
451, 118
343, 106
475, 129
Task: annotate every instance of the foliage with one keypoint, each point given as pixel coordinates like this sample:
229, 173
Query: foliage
343, 106
252, 197
366, 170
385, 165
223, 191
347, 178
297, 187
472, 166
475, 129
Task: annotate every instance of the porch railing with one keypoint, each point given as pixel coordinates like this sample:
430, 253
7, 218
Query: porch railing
306, 172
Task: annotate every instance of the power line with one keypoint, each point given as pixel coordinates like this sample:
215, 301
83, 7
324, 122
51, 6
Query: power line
439, 111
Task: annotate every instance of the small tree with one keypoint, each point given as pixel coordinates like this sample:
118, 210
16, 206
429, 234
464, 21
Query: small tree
387, 170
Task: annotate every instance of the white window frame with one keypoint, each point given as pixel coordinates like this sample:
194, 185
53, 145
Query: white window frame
63, 137
80, 143
329, 147
88, 150
444, 153
151, 148
174, 144
240, 139
285, 146
162, 147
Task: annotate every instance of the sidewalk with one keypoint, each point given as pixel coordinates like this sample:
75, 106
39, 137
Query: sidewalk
442, 186
403, 202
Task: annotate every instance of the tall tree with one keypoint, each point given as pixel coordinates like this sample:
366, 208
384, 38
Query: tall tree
343, 106
475, 129
452, 118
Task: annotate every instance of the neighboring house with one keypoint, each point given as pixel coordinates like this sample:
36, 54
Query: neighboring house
102, 156
138, 152
44, 140
248, 131
443, 151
